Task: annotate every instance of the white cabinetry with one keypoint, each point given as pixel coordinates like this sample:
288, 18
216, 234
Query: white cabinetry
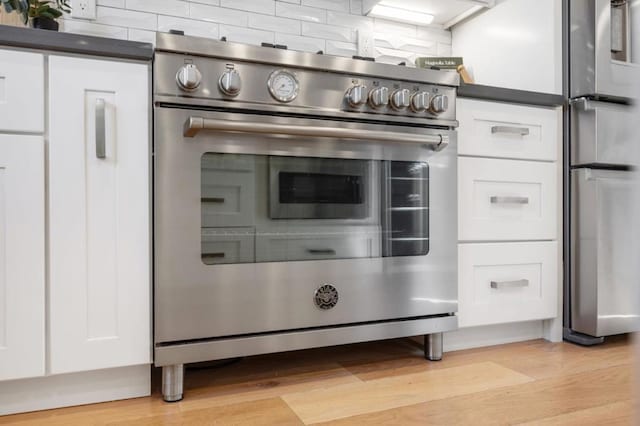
516, 44
99, 210
21, 92
509, 212
22, 256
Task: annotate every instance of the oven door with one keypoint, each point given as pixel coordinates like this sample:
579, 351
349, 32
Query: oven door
271, 224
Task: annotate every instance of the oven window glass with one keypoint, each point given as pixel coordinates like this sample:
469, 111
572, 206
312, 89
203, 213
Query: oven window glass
257, 208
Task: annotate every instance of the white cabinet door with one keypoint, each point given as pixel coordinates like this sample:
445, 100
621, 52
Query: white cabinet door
99, 210
507, 282
506, 200
21, 92
495, 129
22, 256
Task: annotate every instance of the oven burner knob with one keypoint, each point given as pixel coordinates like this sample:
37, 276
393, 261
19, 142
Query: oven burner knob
379, 97
188, 77
230, 82
439, 104
400, 99
419, 101
356, 95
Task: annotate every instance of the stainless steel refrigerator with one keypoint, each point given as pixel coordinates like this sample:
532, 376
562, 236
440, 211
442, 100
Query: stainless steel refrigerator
603, 63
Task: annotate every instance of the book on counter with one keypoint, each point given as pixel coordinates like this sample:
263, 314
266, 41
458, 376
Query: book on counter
439, 62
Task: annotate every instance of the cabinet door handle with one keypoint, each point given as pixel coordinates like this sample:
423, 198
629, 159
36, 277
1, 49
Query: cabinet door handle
510, 130
212, 200
509, 200
516, 283
219, 255
321, 251
100, 129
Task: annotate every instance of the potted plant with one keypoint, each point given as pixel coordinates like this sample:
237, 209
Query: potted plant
41, 14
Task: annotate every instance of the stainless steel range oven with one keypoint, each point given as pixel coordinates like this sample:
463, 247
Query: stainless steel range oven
301, 200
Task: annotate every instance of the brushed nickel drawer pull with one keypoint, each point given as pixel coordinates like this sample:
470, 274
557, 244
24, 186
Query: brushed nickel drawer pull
212, 200
321, 251
510, 130
101, 136
516, 283
509, 200
219, 255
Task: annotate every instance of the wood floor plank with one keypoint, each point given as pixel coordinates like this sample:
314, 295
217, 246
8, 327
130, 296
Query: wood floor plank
264, 412
377, 395
615, 414
513, 404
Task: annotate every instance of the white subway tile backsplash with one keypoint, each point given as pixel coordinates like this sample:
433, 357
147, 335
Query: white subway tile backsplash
126, 18
246, 35
339, 48
330, 32
165, 7
340, 5
89, 28
217, 14
189, 26
260, 6
111, 3
302, 44
305, 25
272, 23
142, 35
302, 13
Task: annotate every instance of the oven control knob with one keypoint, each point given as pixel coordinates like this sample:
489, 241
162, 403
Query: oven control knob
400, 99
230, 82
419, 101
439, 104
356, 96
379, 97
188, 77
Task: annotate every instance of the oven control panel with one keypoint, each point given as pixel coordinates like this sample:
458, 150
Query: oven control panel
271, 87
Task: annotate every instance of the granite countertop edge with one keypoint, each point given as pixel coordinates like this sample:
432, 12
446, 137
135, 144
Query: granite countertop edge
30, 38
502, 94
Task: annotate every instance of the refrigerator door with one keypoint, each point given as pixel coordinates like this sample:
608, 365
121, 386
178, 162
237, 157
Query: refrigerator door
603, 133
605, 47
605, 287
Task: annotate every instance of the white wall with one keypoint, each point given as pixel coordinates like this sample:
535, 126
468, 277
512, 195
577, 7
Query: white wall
308, 25
517, 44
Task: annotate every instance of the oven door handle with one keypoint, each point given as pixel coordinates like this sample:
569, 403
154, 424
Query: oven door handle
194, 125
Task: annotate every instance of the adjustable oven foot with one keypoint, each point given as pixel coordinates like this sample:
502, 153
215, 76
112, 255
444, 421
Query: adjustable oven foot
433, 346
172, 382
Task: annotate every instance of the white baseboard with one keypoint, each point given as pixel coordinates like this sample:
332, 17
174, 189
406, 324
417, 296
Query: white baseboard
475, 337
64, 390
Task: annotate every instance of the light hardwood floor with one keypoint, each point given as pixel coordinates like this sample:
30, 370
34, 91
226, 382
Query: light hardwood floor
389, 383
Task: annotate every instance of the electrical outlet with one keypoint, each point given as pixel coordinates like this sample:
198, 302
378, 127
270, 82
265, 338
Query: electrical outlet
365, 44
83, 9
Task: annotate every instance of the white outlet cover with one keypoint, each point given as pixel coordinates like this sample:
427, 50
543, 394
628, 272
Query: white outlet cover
83, 9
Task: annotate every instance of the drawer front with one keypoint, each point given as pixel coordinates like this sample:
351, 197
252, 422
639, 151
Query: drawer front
504, 200
233, 245
492, 129
228, 191
21, 92
508, 282
317, 244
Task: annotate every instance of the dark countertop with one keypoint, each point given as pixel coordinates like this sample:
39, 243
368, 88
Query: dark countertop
30, 38
501, 94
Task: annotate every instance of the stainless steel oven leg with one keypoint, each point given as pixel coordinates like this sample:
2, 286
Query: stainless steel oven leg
433, 346
172, 382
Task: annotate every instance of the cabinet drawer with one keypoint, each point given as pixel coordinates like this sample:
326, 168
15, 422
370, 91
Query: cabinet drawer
21, 92
317, 244
509, 282
506, 200
228, 194
492, 129
234, 245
